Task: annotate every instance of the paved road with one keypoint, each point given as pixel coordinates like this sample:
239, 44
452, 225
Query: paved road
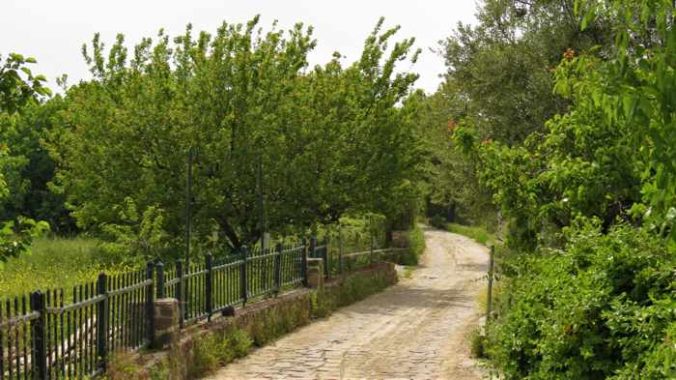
414, 330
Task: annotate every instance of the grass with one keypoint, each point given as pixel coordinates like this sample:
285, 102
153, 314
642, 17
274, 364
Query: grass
479, 234
53, 263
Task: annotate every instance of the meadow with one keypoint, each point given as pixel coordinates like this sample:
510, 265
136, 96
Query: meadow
52, 263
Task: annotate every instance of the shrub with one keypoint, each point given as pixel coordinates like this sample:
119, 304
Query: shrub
415, 245
602, 308
476, 343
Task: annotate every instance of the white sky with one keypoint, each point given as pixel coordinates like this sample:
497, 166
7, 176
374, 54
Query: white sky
53, 31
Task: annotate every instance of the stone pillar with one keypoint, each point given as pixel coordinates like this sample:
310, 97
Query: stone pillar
166, 321
315, 272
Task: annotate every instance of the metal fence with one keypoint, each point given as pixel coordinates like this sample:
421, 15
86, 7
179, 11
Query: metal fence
43, 335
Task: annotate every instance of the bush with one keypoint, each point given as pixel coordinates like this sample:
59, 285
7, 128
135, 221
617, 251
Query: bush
476, 343
603, 308
415, 245
214, 350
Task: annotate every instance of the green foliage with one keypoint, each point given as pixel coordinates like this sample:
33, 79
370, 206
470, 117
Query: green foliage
19, 89
477, 344
214, 350
142, 237
601, 308
588, 140
309, 142
28, 168
415, 246
18, 85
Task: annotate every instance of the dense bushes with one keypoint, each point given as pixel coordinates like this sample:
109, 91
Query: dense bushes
601, 308
415, 245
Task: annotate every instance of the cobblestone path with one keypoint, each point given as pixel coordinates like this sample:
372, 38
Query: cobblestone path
416, 329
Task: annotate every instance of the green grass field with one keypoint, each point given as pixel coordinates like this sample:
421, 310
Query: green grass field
53, 263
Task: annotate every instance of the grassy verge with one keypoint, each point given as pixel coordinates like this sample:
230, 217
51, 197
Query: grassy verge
479, 234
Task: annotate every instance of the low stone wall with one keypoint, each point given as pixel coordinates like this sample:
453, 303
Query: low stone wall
208, 346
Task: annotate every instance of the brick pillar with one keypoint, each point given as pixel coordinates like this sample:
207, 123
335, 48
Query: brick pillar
166, 321
315, 272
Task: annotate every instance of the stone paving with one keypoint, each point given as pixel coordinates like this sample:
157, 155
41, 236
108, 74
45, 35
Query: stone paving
416, 329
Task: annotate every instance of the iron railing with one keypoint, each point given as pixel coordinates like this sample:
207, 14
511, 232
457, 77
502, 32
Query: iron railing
49, 335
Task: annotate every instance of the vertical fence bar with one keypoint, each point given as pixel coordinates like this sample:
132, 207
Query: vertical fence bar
242, 275
39, 332
209, 278
371, 248
178, 293
340, 249
303, 268
101, 322
278, 267
325, 256
150, 309
489, 301
159, 267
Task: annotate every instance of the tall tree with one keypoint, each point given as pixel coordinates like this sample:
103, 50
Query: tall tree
311, 143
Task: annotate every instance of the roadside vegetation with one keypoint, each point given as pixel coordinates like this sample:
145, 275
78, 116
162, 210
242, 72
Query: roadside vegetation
555, 125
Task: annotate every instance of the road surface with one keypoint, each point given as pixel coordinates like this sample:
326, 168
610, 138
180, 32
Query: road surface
416, 329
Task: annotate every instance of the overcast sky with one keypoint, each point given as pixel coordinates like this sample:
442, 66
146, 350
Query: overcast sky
53, 31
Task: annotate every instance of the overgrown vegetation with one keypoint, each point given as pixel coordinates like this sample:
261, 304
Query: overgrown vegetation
54, 263
563, 113
415, 246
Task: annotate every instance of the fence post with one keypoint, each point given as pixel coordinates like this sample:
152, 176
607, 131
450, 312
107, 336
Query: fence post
340, 249
371, 253
303, 264
278, 267
209, 285
489, 301
179, 292
244, 294
150, 308
102, 321
39, 332
160, 280
325, 256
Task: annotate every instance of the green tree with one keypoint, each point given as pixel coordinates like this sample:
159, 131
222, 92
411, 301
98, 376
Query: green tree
19, 89
311, 144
